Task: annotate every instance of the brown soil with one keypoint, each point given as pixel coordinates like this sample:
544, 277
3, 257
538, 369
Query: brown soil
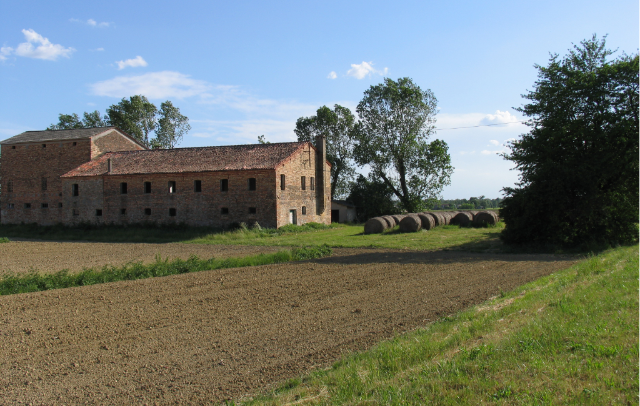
209, 336
24, 256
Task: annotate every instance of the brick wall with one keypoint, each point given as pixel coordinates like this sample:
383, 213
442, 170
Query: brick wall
202, 208
111, 142
293, 197
25, 166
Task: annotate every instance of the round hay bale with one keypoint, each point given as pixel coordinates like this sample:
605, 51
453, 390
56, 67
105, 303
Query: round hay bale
410, 224
427, 221
390, 221
375, 225
438, 218
462, 219
398, 217
447, 215
484, 218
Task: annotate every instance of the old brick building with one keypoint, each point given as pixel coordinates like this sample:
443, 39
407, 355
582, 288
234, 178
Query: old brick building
101, 175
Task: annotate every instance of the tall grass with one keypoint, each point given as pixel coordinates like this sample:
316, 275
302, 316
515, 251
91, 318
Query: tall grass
34, 282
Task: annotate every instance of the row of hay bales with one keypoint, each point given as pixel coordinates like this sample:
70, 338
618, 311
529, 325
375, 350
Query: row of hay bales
427, 220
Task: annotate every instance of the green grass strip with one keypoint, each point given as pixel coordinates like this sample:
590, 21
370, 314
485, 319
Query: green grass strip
568, 338
34, 281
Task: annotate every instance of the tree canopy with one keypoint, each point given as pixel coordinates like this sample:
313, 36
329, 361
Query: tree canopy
397, 118
579, 162
336, 125
372, 197
139, 118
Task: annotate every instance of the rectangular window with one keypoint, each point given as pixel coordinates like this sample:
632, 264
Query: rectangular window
172, 186
147, 187
75, 212
304, 209
282, 180
74, 190
11, 206
252, 183
60, 205
224, 185
123, 188
98, 212
44, 184
44, 145
13, 147
252, 210
313, 183
224, 210
123, 212
172, 212
27, 205
44, 205
10, 186
147, 212
303, 182
197, 186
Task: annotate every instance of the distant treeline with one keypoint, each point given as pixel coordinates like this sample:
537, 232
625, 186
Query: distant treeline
471, 203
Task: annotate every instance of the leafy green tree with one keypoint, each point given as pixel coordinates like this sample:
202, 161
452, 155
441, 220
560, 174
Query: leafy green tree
136, 117
372, 198
336, 125
94, 119
579, 162
172, 126
263, 140
71, 121
397, 119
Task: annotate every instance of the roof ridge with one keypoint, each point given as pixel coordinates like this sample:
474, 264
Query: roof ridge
66, 129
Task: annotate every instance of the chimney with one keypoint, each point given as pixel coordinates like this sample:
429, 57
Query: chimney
108, 165
321, 175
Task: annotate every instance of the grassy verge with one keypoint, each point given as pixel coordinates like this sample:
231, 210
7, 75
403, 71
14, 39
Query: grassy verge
569, 338
34, 282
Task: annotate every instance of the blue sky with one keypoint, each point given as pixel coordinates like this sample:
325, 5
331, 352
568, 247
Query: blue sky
245, 68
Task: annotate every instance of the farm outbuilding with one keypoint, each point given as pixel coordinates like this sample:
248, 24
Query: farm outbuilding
342, 212
104, 176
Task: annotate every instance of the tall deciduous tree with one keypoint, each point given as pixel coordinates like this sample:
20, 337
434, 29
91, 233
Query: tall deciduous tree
71, 121
579, 162
372, 197
396, 121
172, 126
336, 125
135, 116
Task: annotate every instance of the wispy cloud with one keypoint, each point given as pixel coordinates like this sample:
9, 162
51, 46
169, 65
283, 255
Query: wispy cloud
37, 47
154, 85
365, 69
494, 142
332, 75
133, 63
91, 22
500, 117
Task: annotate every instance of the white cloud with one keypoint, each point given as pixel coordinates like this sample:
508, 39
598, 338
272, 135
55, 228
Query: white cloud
45, 49
154, 85
98, 50
332, 75
91, 22
134, 63
365, 69
494, 142
500, 117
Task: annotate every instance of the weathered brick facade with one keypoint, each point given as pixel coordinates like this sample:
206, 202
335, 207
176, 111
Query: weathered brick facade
213, 186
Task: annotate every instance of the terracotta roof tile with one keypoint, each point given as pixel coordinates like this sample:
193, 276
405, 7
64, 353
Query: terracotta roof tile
182, 160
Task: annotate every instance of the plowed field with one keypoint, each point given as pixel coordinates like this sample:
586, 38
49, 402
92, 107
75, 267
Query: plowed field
209, 336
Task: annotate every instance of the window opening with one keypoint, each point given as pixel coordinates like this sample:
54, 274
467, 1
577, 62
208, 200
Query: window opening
313, 183
252, 183
10, 186
74, 189
147, 187
172, 186
11, 205
172, 212
27, 205
75, 212
224, 210
44, 145
303, 182
282, 182
304, 209
123, 211
147, 212
44, 205
252, 210
59, 205
123, 188
98, 212
197, 186
224, 185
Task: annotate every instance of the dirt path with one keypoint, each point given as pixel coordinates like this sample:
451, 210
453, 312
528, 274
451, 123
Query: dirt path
23, 256
205, 337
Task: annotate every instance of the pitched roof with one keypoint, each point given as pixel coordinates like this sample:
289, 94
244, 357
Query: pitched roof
57, 135
183, 160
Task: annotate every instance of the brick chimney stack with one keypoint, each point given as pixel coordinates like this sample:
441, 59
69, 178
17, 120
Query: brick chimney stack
321, 175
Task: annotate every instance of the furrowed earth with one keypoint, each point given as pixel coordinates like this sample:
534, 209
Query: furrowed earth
216, 335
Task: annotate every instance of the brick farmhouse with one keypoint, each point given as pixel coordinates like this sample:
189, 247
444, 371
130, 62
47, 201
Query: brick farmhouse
104, 176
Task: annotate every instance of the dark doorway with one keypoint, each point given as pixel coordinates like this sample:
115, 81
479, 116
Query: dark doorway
335, 216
